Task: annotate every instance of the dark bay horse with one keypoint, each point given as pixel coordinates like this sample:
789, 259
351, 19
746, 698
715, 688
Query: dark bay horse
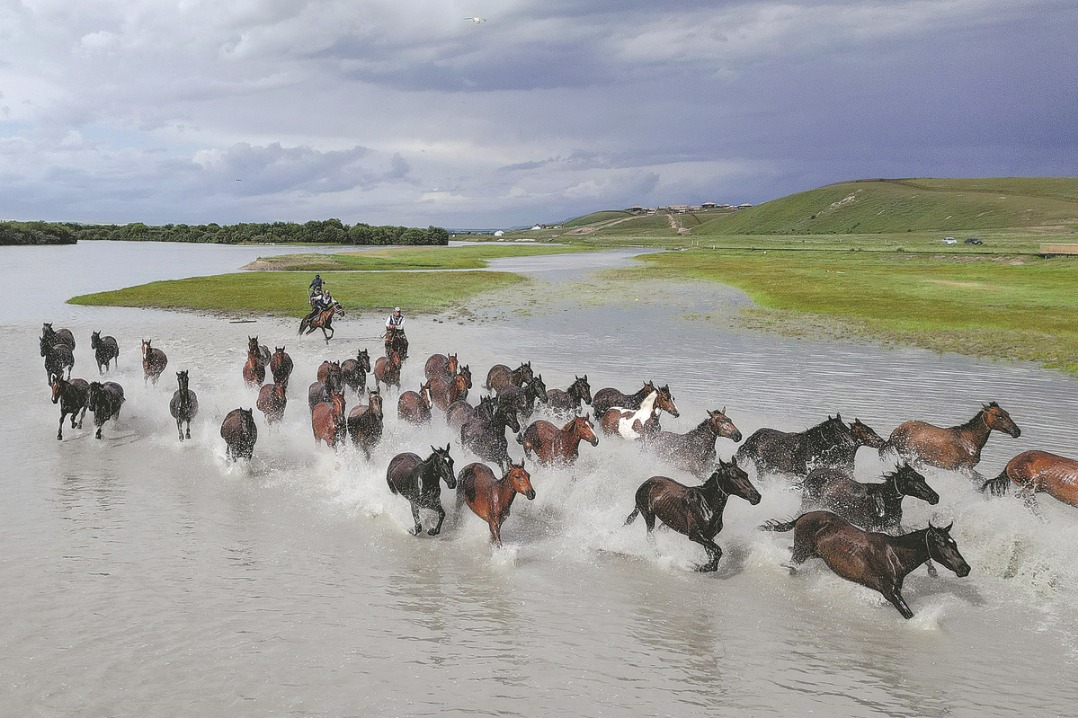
154, 362
491, 498
365, 423
957, 448
254, 370
387, 370
501, 376
58, 358
184, 404
566, 403
418, 480
280, 366
460, 412
830, 443
1032, 472
328, 420
609, 397
396, 341
875, 560
524, 398
440, 364
693, 451
554, 446
484, 435
272, 400
414, 407
73, 397
240, 434
323, 320
104, 400
330, 380
695, 511
445, 389
105, 350
355, 371
57, 336
873, 507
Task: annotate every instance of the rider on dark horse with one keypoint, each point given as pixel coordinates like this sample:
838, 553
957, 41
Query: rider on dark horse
394, 328
319, 303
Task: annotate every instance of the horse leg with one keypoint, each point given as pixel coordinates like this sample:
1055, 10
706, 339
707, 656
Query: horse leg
894, 595
179, 426
632, 516
495, 531
60, 431
82, 414
415, 517
441, 517
714, 553
188, 427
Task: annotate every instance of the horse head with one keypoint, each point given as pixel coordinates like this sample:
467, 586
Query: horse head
537, 389
995, 417
443, 465
910, 482
374, 402
146, 347
181, 380
56, 382
507, 416
582, 427
252, 345
731, 479
453, 364
95, 339
581, 389
519, 478
466, 372
864, 435
666, 401
943, 548
721, 425
364, 360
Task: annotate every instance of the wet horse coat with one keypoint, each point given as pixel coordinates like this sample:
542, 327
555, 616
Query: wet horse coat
958, 447
1037, 471
418, 480
491, 498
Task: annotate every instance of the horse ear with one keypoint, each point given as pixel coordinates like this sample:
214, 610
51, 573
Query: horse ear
948, 529
838, 416
723, 410
448, 444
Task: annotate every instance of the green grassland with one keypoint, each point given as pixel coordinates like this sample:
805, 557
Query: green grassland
467, 257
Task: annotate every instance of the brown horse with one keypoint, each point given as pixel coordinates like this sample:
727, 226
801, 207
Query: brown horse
388, 371
958, 447
323, 320
105, 350
418, 480
873, 507
491, 498
414, 407
566, 403
501, 376
73, 397
184, 404
460, 412
254, 370
280, 366
365, 423
693, 451
354, 371
272, 400
153, 362
695, 511
444, 390
330, 380
104, 400
554, 446
396, 341
440, 364
1032, 471
328, 420
874, 560
240, 434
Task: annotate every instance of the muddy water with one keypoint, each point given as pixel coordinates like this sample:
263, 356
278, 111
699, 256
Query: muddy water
143, 576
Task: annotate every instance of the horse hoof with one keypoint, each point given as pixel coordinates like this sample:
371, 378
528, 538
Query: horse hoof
416, 531
707, 568
433, 532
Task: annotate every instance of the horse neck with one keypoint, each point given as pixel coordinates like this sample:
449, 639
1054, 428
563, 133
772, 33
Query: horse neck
428, 475
647, 406
705, 430
713, 495
912, 549
568, 440
976, 428
639, 396
888, 492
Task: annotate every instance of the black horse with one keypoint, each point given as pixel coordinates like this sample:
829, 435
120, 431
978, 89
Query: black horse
417, 480
873, 507
105, 400
73, 397
57, 336
58, 358
485, 435
694, 511
524, 398
693, 451
105, 350
566, 402
184, 404
830, 443
354, 371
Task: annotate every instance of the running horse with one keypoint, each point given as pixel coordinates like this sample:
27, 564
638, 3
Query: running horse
485, 434
695, 511
329, 380
254, 371
365, 423
609, 397
354, 371
566, 402
830, 443
444, 389
240, 434
73, 397
501, 376
396, 341
388, 371
491, 498
105, 350
694, 451
57, 336
441, 364
874, 560
414, 407
524, 398
328, 420
272, 400
154, 362
554, 446
873, 507
1035, 471
104, 400
184, 404
418, 480
280, 366
957, 448
58, 358
323, 320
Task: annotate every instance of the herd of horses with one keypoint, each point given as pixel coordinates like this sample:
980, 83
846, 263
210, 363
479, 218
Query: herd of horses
854, 527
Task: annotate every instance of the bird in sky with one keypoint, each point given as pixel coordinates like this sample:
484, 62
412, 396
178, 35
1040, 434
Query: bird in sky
476, 20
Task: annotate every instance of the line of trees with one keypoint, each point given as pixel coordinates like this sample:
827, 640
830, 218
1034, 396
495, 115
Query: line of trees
329, 231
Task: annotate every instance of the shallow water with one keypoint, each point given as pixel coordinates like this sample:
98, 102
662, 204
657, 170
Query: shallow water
149, 577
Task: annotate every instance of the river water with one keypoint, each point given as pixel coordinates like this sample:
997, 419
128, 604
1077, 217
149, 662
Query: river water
144, 576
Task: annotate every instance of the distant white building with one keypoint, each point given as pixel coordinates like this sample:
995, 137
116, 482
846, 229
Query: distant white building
499, 233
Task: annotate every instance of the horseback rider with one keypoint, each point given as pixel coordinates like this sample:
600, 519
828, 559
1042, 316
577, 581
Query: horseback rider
315, 286
320, 301
395, 327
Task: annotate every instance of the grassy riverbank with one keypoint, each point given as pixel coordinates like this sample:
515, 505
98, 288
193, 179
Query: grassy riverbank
1023, 308
469, 257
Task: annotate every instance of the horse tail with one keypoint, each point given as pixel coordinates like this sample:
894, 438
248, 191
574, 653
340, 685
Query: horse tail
304, 323
998, 485
632, 517
776, 525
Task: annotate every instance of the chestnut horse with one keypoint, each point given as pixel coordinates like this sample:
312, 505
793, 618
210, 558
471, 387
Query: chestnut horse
874, 560
566, 403
240, 434
154, 362
417, 480
693, 451
272, 400
501, 376
444, 389
957, 448
73, 397
830, 443
280, 366
105, 350
695, 511
328, 421
184, 404
1031, 471
414, 407
254, 371
330, 380
388, 371
354, 371
104, 400
365, 423
323, 320
873, 507
554, 446
491, 498
440, 364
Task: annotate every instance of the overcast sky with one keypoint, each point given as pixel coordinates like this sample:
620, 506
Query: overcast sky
405, 112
